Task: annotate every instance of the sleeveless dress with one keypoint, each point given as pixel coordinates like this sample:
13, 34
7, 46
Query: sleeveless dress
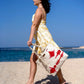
42, 36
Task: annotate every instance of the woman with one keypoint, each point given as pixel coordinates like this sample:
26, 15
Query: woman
39, 23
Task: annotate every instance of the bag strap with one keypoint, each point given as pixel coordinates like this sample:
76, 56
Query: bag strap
33, 50
42, 49
39, 56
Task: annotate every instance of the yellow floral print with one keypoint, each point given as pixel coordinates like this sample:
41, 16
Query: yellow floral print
42, 36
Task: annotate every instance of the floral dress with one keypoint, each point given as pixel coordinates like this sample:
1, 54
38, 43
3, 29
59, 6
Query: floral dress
42, 36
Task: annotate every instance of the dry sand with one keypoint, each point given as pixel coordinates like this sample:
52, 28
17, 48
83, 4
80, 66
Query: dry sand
18, 72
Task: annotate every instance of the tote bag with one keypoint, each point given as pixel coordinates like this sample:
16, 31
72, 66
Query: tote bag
51, 58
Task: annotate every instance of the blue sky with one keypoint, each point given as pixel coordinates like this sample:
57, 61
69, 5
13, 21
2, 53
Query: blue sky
65, 22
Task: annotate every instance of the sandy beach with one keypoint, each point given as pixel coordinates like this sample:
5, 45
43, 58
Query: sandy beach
18, 72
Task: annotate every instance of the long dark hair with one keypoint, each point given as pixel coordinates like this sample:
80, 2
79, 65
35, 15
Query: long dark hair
46, 4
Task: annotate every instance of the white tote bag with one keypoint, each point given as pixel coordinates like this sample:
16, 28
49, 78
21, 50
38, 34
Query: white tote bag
51, 58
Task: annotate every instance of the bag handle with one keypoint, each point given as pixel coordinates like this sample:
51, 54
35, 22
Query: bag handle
35, 51
34, 45
39, 55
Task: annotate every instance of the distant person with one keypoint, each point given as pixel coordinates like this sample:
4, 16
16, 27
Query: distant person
39, 23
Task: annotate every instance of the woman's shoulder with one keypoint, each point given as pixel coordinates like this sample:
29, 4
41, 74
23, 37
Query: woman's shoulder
38, 11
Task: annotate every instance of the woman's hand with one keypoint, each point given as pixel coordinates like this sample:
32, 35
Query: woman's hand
29, 43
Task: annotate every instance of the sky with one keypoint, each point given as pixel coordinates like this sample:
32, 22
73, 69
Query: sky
65, 22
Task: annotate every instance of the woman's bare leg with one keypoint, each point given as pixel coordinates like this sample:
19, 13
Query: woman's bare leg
33, 68
60, 77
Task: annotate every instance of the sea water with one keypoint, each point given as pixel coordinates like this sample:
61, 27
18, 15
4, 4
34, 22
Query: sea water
23, 54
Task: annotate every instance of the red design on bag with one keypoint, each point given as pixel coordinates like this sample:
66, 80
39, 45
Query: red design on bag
52, 69
52, 53
54, 66
58, 53
62, 54
59, 59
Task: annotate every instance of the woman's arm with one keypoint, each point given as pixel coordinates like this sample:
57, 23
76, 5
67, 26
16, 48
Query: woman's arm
35, 24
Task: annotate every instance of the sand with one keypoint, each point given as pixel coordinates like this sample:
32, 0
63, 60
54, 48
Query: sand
18, 72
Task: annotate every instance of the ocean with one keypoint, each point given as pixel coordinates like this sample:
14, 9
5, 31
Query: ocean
23, 54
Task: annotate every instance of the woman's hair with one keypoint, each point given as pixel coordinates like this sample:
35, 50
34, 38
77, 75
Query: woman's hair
46, 4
